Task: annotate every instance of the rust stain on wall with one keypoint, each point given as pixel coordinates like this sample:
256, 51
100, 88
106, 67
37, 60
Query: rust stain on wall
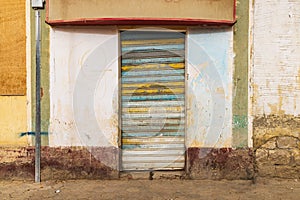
114, 137
12, 48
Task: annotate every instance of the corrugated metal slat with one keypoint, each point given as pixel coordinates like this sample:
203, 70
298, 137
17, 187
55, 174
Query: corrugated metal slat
153, 100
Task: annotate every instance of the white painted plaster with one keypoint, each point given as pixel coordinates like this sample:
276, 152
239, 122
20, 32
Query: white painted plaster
209, 95
83, 86
276, 71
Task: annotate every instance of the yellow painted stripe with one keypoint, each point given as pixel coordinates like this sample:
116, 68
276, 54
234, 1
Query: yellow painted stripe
148, 85
149, 109
154, 42
151, 91
153, 66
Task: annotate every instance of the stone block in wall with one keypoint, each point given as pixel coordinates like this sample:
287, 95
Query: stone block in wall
289, 172
261, 155
276, 138
265, 169
279, 157
270, 144
287, 142
266, 127
278, 171
295, 153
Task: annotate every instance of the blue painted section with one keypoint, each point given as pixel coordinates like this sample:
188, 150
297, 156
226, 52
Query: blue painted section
152, 104
151, 115
151, 128
154, 47
147, 73
148, 146
154, 97
152, 60
209, 86
153, 79
32, 133
125, 134
215, 46
150, 35
178, 122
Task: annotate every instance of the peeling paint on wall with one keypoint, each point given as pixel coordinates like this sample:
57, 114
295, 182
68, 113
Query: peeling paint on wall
84, 87
209, 100
276, 57
240, 76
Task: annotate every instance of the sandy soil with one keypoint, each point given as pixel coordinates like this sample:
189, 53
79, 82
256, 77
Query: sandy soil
155, 189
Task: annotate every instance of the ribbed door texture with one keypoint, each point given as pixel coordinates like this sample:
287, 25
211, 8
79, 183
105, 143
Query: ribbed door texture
153, 100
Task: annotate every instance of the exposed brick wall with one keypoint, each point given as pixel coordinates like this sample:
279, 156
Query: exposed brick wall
16, 163
279, 157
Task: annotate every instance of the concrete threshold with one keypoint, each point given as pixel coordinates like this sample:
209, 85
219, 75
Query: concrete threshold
152, 175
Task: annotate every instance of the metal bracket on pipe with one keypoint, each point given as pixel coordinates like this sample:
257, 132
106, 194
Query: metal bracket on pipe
37, 4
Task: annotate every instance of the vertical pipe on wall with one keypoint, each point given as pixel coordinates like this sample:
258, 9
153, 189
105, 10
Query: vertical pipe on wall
38, 99
28, 70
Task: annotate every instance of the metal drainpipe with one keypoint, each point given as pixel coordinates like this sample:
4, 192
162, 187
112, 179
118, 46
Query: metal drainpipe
38, 98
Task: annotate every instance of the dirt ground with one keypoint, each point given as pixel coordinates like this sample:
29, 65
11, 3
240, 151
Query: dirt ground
151, 189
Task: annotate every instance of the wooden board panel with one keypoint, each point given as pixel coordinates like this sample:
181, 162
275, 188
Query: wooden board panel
140, 11
12, 48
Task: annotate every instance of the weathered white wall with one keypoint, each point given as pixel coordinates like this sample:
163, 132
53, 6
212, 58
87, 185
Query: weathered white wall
83, 87
209, 99
276, 57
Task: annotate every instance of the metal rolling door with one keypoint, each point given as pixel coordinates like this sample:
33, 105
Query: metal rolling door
153, 100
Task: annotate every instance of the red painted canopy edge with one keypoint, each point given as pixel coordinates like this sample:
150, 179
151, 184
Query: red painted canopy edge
140, 21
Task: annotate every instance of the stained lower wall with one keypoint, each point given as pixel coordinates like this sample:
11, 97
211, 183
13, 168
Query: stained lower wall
84, 87
59, 163
276, 88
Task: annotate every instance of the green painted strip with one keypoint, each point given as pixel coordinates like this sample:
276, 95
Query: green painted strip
240, 76
240, 121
